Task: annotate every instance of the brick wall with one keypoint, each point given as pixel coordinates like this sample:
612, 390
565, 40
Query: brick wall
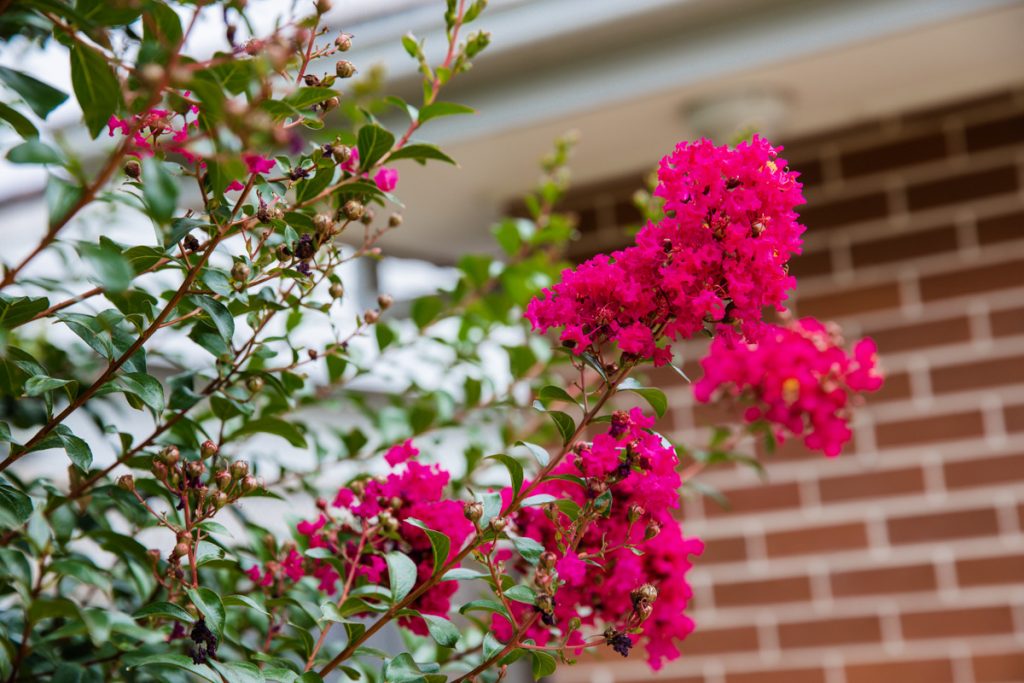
902, 560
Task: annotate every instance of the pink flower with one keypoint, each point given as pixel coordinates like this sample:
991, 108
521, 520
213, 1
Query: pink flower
235, 185
796, 377
386, 179
257, 163
571, 569
116, 123
310, 528
400, 453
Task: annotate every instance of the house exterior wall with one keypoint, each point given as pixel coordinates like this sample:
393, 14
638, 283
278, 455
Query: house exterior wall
903, 559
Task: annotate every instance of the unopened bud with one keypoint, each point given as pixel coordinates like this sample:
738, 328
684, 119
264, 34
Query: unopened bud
323, 223
321, 504
330, 103
368, 217
344, 68
635, 512
337, 290
220, 499
474, 511
254, 384
323, 6
126, 482
353, 210
394, 220
132, 169
180, 550
159, 470
208, 449
653, 529
547, 560
595, 486
195, 469
371, 316
385, 301
388, 522
343, 42
341, 153
170, 455
249, 484
222, 479
358, 488
283, 253
499, 523
239, 469
240, 272
152, 73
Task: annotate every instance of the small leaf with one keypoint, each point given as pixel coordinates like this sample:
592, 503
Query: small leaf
543, 664
373, 143
159, 190
438, 109
528, 548
40, 384
15, 507
553, 393
421, 153
655, 397
441, 630
566, 425
515, 471
34, 152
165, 609
272, 425
401, 575
425, 309
96, 87
39, 96
463, 574
113, 271
523, 594
19, 123
211, 607
219, 314
539, 499
439, 543
538, 452
144, 386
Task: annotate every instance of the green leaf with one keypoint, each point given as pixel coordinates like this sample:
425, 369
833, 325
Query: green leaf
528, 548
520, 593
538, 452
19, 123
539, 499
373, 143
307, 97
238, 672
272, 425
40, 384
439, 543
331, 612
113, 271
96, 87
159, 190
39, 96
211, 607
655, 397
492, 506
178, 662
421, 153
565, 424
34, 152
146, 387
461, 574
425, 309
552, 393
61, 198
401, 574
15, 507
403, 669
219, 314
77, 449
441, 630
438, 109
165, 609
5, 433
16, 311
515, 470
543, 664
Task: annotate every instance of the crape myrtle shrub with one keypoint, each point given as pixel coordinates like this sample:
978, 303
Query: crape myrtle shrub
548, 529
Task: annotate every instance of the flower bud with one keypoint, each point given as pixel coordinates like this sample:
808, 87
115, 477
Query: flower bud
240, 272
152, 73
358, 488
341, 153
547, 560
635, 512
345, 68
170, 455
343, 42
323, 224
353, 210
645, 593
132, 169
208, 449
323, 6
653, 529
385, 301
254, 384
595, 487
283, 253
499, 523
126, 482
330, 103
222, 479
239, 469
195, 469
388, 522
394, 220
542, 579
180, 550
395, 502
249, 484
368, 217
159, 470
337, 290
321, 504
473, 511
371, 316
220, 499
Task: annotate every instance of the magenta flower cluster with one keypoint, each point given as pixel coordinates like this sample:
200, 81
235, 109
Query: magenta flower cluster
797, 377
637, 542
717, 257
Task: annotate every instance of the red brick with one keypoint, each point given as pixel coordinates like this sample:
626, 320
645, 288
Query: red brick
999, 668
919, 335
896, 388
1013, 418
811, 264
904, 247
811, 172
823, 215
990, 571
1008, 322
938, 526
916, 671
973, 281
951, 623
905, 151
1008, 130
962, 187
834, 631
851, 301
778, 676
929, 429
984, 471
817, 540
706, 641
716, 550
756, 499
1002, 228
978, 374
884, 580
872, 485
765, 592
938, 113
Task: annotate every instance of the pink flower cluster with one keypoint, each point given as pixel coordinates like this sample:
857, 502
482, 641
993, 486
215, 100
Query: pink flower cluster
148, 131
797, 377
411, 491
386, 178
718, 256
600, 573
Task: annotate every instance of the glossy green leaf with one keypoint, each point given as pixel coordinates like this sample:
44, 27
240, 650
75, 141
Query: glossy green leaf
159, 190
438, 109
164, 609
96, 87
401, 574
422, 153
441, 630
373, 143
34, 152
39, 96
19, 123
440, 543
515, 470
15, 507
210, 606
